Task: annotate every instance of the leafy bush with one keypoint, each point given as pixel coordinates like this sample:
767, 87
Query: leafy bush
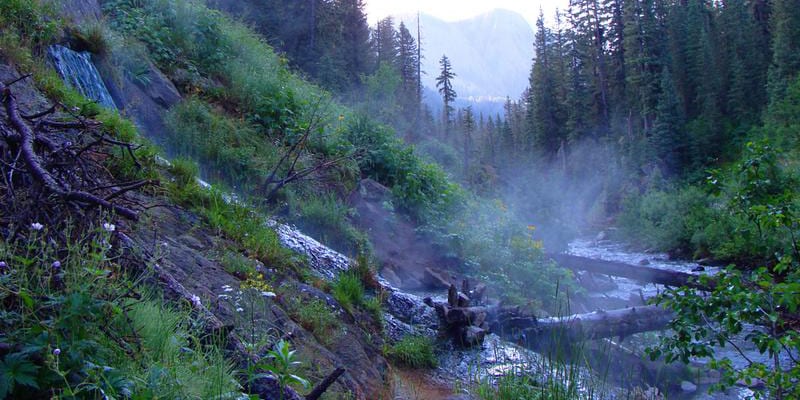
281, 362
413, 351
664, 220
32, 22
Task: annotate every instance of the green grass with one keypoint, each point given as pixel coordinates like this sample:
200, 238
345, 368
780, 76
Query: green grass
413, 352
348, 290
316, 317
326, 218
94, 337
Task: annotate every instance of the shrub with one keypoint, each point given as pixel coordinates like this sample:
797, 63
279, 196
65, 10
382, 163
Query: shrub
413, 351
32, 21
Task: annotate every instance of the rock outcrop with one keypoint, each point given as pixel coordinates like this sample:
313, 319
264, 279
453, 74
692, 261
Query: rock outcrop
407, 260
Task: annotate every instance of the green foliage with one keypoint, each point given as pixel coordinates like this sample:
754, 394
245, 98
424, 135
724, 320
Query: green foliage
235, 220
248, 228
755, 304
667, 220
77, 332
348, 290
382, 90
236, 151
422, 189
727, 219
515, 384
326, 218
413, 352
504, 254
317, 317
281, 361
238, 265
17, 369
33, 22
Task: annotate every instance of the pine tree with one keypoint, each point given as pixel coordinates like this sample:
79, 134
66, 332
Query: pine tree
384, 43
355, 47
407, 67
545, 118
785, 66
469, 129
668, 143
444, 83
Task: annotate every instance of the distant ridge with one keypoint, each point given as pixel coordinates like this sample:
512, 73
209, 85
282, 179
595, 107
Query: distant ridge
490, 53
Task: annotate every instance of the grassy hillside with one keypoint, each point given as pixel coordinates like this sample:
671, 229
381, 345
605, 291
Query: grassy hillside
96, 324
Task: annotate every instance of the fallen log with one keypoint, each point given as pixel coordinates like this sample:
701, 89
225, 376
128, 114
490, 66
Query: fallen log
640, 273
601, 324
520, 325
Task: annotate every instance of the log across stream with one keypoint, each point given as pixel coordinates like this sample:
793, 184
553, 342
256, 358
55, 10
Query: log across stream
468, 318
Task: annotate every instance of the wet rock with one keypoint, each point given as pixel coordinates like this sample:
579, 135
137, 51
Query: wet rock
644, 261
415, 259
435, 279
391, 276
159, 88
452, 296
688, 387
463, 300
323, 261
699, 268
411, 309
396, 329
473, 336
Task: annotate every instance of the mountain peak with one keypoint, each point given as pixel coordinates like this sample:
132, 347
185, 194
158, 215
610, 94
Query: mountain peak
491, 53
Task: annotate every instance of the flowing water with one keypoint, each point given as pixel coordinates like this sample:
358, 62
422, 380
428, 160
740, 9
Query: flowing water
623, 291
78, 71
406, 313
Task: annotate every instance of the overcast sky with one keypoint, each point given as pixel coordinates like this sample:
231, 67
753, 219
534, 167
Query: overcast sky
454, 10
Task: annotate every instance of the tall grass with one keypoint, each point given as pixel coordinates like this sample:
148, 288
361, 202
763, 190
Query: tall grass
68, 303
413, 352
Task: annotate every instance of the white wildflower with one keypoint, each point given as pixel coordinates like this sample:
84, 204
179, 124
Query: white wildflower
56, 352
56, 264
37, 226
196, 300
109, 227
239, 309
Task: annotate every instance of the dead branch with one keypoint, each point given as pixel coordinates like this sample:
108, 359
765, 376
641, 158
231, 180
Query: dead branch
325, 384
24, 137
